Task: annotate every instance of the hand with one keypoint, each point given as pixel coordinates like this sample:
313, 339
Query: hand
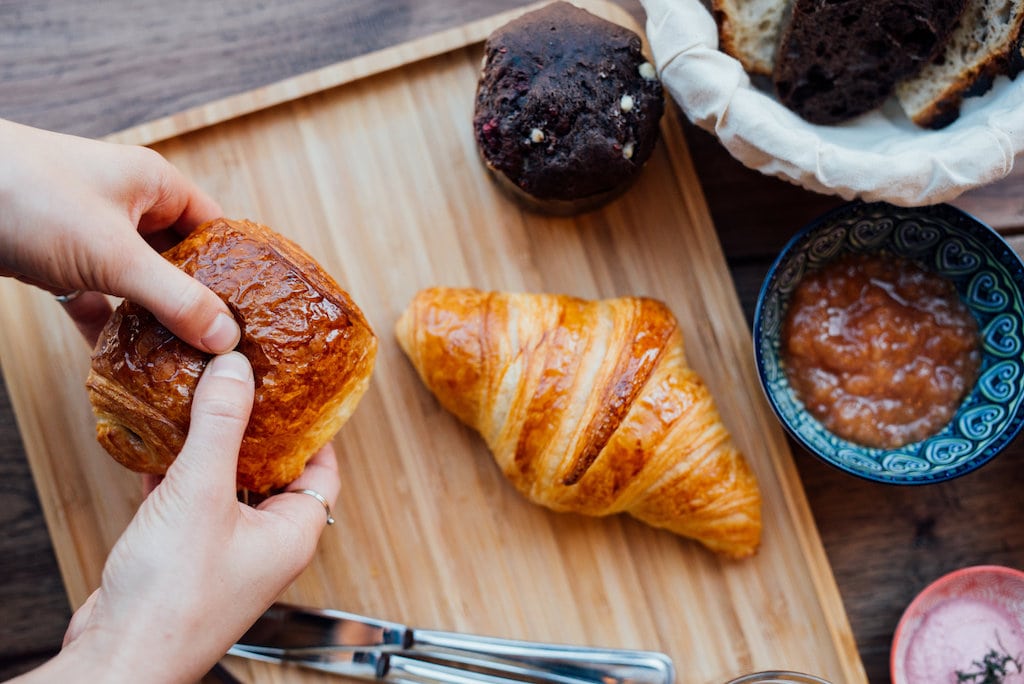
195, 568
79, 214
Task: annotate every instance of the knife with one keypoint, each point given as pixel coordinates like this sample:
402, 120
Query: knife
366, 648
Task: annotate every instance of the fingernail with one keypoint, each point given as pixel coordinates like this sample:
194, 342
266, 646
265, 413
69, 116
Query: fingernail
222, 335
231, 365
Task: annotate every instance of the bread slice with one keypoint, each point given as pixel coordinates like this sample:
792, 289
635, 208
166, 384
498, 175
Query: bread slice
837, 60
986, 43
749, 30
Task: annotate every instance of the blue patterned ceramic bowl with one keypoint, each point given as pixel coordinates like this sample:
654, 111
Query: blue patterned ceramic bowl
989, 277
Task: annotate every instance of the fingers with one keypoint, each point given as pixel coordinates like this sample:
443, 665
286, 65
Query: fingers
305, 511
80, 619
121, 195
320, 474
174, 199
150, 482
89, 310
220, 413
90, 313
188, 308
165, 198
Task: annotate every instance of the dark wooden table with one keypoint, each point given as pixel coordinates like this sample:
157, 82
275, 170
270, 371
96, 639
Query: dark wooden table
95, 68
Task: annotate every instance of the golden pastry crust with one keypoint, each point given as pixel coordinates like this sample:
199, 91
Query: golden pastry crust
310, 347
588, 406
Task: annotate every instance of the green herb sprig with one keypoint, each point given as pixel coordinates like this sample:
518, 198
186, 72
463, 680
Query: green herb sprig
992, 669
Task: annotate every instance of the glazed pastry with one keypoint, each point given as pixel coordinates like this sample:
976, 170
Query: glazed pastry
310, 347
587, 407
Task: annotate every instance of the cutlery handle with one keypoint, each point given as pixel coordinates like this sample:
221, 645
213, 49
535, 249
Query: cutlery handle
413, 670
558, 662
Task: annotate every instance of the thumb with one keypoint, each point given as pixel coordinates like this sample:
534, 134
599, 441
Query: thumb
220, 413
188, 308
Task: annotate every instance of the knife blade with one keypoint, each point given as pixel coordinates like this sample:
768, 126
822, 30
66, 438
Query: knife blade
357, 646
292, 627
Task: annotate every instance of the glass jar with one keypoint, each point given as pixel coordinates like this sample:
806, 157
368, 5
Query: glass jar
778, 677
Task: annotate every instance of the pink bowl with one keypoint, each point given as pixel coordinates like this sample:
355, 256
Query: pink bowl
956, 621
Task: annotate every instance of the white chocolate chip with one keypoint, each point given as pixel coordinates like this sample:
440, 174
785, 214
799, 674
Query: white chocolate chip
626, 103
537, 135
647, 71
627, 151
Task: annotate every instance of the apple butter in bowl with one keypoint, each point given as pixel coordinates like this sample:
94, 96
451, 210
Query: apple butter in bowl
879, 349
890, 341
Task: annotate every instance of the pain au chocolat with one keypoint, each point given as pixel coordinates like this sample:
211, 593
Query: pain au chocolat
311, 349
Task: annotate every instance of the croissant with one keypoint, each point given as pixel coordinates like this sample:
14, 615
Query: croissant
312, 354
588, 406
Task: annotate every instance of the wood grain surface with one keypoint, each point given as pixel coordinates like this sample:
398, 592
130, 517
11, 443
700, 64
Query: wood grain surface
95, 68
379, 179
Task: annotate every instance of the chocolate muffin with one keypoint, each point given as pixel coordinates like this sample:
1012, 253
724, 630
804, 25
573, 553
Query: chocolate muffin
567, 108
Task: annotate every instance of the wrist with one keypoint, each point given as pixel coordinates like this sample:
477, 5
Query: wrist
90, 658
78, 663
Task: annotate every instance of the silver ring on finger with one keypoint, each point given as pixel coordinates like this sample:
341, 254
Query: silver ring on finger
323, 502
68, 297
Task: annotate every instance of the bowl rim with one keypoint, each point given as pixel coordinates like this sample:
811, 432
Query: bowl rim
992, 239
935, 585
778, 676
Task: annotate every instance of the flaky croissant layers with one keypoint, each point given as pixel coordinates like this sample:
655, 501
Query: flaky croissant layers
311, 350
588, 407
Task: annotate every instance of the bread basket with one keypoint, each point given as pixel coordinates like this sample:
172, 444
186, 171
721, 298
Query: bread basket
879, 156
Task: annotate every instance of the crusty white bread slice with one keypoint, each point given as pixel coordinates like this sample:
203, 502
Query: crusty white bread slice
749, 31
985, 44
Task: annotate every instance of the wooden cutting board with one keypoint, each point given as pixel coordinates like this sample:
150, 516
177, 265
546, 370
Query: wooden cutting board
371, 166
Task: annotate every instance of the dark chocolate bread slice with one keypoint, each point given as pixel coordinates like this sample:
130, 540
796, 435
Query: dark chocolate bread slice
840, 58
